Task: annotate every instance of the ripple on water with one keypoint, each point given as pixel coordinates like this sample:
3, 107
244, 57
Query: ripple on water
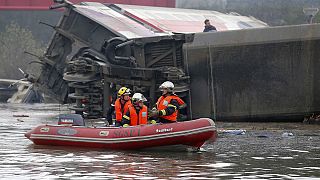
217, 165
300, 151
286, 158
258, 158
305, 168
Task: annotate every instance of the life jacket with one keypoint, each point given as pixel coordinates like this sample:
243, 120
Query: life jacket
164, 102
121, 110
178, 99
140, 119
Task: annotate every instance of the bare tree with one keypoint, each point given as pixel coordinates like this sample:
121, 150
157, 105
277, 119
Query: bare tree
14, 41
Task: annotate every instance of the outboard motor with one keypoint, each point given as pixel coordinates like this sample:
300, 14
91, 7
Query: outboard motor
71, 120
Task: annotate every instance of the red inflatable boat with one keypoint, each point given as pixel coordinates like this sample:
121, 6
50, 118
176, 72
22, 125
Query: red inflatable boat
192, 133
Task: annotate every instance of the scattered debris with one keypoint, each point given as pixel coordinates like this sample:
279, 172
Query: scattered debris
20, 115
263, 136
313, 119
20, 120
287, 134
233, 132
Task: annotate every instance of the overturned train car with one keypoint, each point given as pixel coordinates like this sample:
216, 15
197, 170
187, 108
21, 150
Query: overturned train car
246, 73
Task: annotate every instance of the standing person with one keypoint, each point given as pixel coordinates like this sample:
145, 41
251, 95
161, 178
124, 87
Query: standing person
138, 112
122, 104
208, 27
168, 104
110, 114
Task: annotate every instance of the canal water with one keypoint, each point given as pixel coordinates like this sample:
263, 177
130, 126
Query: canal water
263, 151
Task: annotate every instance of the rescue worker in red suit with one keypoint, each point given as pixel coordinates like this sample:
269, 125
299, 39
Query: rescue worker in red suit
168, 104
122, 104
138, 112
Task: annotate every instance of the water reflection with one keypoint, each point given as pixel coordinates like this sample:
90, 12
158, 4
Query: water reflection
96, 163
233, 157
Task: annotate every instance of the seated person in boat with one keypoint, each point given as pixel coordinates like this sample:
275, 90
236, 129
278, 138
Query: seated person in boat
122, 104
137, 113
168, 104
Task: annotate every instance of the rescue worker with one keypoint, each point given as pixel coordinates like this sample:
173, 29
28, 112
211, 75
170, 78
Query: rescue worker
138, 112
110, 116
168, 104
122, 104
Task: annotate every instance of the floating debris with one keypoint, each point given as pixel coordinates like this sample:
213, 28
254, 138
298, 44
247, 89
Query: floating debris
287, 134
313, 119
233, 132
20, 115
263, 136
20, 120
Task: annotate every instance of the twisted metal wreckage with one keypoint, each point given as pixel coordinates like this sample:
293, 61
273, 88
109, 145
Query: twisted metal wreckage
245, 70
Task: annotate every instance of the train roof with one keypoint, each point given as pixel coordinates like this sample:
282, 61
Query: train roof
132, 21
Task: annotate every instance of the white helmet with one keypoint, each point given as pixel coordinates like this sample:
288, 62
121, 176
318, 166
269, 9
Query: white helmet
167, 85
138, 97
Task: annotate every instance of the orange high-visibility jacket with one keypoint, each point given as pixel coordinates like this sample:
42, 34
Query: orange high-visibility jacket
164, 102
136, 119
121, 110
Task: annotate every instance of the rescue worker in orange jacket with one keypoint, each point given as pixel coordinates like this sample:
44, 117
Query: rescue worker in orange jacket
168, 104
122, 104
138, 112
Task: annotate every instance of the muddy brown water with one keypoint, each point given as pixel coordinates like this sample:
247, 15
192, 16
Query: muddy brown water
265, 151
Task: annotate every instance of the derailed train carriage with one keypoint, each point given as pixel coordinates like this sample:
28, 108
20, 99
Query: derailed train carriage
246, 70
